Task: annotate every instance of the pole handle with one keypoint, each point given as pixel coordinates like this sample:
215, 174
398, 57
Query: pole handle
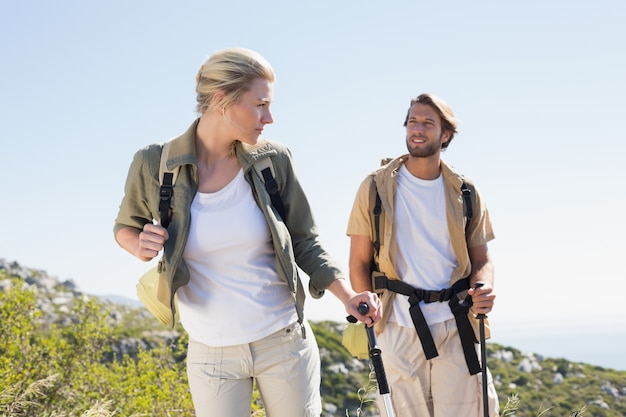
479, 284
363, 308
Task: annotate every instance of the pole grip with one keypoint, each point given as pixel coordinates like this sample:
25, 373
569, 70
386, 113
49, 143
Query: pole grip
478, 285
379, 370
363, 308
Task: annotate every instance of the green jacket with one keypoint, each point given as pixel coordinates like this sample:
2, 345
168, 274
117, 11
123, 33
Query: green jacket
295, 239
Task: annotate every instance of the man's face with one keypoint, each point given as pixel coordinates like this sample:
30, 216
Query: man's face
424, 134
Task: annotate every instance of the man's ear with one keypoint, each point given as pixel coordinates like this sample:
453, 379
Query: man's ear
446, 137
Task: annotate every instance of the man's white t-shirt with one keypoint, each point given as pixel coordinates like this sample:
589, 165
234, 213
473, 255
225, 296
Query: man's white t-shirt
425, 258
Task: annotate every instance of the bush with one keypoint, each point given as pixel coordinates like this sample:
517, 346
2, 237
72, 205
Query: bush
59, 369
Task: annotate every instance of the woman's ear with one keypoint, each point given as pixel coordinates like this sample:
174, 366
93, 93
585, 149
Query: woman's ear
217, 102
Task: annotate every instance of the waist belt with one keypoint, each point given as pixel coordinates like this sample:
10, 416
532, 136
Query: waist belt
460, 310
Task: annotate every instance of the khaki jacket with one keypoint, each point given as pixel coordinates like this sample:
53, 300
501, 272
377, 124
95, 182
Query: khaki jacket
479, 231
295, 239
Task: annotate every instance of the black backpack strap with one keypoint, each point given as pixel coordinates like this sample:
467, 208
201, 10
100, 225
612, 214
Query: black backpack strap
272, 188
377, 212
165, 193
167, 179
467, 199
415, 296
460, 309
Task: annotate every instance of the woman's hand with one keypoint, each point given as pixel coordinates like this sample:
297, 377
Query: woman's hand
374, 311
144, 244
150, 241
351, 300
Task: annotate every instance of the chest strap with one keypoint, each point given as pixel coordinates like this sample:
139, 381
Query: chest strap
460, 309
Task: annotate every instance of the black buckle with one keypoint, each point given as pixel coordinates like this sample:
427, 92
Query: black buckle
272, 186
380, 282
166, 192
436, 296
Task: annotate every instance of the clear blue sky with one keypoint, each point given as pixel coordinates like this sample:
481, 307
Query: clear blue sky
538, 86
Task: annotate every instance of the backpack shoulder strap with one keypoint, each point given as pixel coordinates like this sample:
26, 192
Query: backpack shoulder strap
467, 199
167, 179
377, 211
265, 168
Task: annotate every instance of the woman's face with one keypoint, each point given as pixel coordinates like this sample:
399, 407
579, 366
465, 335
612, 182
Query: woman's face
247, 118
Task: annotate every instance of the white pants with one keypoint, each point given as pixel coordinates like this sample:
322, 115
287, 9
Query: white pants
440, 387
286, 367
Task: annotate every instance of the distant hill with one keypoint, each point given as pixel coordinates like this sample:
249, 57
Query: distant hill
121, 300
530, 383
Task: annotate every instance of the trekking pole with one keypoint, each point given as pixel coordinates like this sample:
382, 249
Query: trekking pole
377, 361
483, 357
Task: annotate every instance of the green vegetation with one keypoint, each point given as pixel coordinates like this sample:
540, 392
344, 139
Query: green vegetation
557, 387
60, 369
89, 358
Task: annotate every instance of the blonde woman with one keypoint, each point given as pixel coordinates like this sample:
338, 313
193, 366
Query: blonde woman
228, 255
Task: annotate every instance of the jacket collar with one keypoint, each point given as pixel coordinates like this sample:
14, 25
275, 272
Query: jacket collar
183, 150
389, 172
248, 155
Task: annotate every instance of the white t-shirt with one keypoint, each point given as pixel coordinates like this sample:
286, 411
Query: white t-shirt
425, 258
235, 295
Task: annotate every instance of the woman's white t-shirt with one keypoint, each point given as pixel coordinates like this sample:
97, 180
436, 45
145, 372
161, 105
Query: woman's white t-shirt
235, 295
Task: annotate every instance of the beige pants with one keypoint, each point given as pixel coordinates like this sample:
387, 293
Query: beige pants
286, 367
440, 387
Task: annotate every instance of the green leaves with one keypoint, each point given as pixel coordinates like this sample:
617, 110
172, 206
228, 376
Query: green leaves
61, 368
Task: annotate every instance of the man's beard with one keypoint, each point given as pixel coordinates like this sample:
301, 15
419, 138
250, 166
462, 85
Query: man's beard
429, 150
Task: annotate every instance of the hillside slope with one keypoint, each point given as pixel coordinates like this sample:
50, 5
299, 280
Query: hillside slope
532, 384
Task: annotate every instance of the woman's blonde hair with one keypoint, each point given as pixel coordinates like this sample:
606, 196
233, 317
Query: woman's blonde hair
230, 72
